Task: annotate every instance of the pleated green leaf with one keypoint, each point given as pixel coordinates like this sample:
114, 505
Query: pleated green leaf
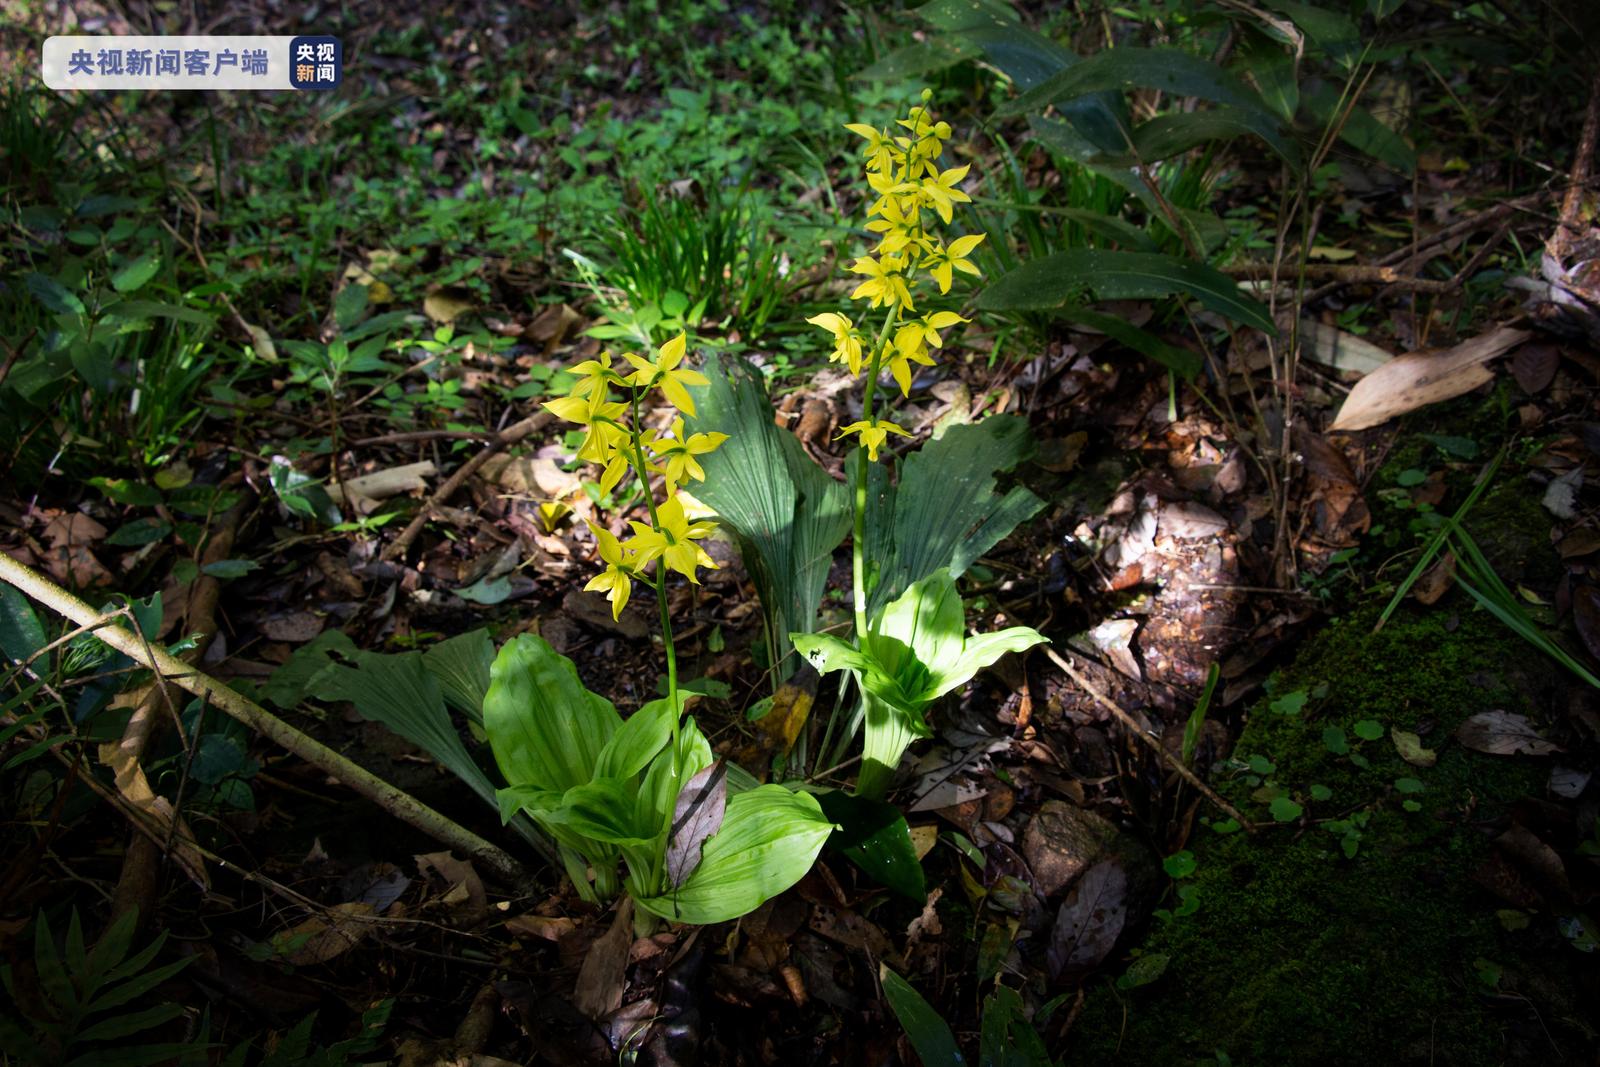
785, 511
546, 729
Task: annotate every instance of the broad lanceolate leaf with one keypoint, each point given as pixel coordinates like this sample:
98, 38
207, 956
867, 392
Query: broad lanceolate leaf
546, 729
786, 512
630, 750
768, 841
1361, 129
701, 806
603, 811
1083, 274
1180, 360
1169, 70
21, 633
874, 836
658, 797
929, 1034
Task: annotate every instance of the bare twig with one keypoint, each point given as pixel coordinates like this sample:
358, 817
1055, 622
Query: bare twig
502, 440
395, 801
1154, 742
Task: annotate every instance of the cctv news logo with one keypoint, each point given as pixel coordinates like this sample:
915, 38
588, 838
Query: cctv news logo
192, 62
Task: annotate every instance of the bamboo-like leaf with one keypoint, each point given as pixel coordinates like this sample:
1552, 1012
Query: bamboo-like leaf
1081, 273
546, 729
929, 1034
1169, 70
769, 839
120, 1026
786, 512
1179, 360
1361, 129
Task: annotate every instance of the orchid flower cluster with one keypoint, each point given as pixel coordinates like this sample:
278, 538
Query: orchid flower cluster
903, 169
617, 440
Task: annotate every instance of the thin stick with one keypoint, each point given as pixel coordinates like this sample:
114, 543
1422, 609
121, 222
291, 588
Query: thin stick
504, 439
1154, 742
395, 801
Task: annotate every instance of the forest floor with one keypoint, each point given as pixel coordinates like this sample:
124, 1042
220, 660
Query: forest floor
1375, 645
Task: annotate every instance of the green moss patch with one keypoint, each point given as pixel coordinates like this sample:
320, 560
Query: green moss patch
1350, 928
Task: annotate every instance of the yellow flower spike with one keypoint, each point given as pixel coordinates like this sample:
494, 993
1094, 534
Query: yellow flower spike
673, 542
680, 451
943, 259
873, 434
605, 436
880, 154
943, 191
846, 339
664, 373
616, 581
885, 284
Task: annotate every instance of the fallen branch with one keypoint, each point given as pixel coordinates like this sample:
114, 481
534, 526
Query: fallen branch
1154, 742
504, 439
395, 801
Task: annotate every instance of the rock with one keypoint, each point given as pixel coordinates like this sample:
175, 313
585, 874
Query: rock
1061, 842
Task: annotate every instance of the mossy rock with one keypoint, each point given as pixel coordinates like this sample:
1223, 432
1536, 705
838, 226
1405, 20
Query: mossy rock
1357, 942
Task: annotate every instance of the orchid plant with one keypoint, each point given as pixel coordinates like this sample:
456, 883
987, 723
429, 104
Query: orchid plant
914, 649
645, 792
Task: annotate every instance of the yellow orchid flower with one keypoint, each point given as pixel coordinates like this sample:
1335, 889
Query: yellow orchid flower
847, 339
594, 376
885, 285
943, 259
616, 581
551, 512
673, 540
664, 372
881, 154
679, 451
900, 229
926, 329
910, 347
873, 434
943, 192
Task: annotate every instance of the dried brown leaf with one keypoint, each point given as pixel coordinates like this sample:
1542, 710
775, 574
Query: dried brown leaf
1503, 733
1089, 921
1418, 379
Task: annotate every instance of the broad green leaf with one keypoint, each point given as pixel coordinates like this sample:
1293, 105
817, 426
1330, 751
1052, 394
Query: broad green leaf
601, 810
1168, 70
21, 632
979, 651
291, 682
528, 798
787, 514
874, 836
1270, 66
636, 742
1329, 30
1007, 1038
123, 491
1360, 130
930, 1035
546, 729
923, 628
1081, 273
944, 511
769, 839
139, 532
135, 275
461, 665
920, 58
1179, 360
54, 296
828, 654
1173, 134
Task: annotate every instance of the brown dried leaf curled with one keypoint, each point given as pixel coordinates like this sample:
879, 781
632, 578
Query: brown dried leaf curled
698, 814
1503, 733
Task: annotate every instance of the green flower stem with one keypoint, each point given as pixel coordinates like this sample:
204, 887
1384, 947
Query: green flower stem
642, 470
858, 549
